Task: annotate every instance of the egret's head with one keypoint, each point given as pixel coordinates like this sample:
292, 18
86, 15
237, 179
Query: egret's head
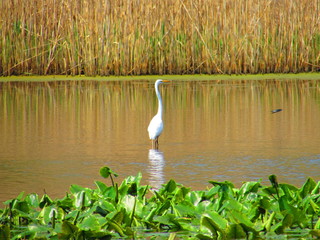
159, 81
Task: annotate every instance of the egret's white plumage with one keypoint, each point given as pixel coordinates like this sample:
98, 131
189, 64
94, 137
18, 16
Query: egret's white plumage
155, 127
156, 124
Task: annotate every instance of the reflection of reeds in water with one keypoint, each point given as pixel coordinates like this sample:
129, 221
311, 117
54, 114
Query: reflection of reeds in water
98, 37
100, 108
87, 113
232, 112
93, 100
155, 168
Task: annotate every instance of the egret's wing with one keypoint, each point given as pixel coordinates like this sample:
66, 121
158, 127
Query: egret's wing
155, 127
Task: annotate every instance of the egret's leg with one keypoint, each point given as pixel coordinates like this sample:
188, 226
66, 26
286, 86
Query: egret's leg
156, 143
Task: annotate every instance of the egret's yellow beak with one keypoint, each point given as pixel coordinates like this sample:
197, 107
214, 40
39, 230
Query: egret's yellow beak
166, 81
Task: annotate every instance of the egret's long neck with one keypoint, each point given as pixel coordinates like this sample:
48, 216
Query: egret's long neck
159, 101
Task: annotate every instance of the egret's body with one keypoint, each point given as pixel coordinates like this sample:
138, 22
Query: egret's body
156, 124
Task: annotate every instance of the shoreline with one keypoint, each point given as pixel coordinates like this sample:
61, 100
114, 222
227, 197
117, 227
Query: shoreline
200, 77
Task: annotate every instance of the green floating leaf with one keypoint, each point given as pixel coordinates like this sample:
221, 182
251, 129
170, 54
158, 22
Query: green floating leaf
68, 230
82, 199
218, 219
274, 183
286, 222
163, 207
22, 206
315, 232
32, 200
316, 189
208, 195
45, 201
249, 187
307, 187
181, 193
185, 209
317, 226
273, 180
195, 198
232, 204
235, 231
214, 228
298, 215
170, 221
172, 236
5, 232
167, 219
203, 237
118, 216
268, 223
128, 202
239, 217
65, 203
170, 186
47, 212
133, 190
310, 206
225, 191
288, 190
270, 191
38, 231
222, 184
101, 211
76, 188
264, 203
105, 172
150, 215
20, 196
113, 225
90, 223
102, 187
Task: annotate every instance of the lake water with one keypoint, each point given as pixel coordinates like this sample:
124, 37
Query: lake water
54, 134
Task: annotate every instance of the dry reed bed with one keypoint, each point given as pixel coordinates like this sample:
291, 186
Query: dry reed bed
123, 37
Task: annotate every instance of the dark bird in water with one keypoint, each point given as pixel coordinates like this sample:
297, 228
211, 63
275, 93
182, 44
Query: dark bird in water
276, 110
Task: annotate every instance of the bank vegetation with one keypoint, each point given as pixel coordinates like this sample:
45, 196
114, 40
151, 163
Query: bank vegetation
139, 37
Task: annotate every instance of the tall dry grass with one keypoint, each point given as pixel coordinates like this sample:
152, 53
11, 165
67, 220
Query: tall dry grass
123, 37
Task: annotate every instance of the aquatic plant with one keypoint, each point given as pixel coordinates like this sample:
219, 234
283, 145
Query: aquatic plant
98, 37
223, 211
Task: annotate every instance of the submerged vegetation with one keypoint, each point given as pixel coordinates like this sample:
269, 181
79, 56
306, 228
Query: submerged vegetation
149, 37
133, 210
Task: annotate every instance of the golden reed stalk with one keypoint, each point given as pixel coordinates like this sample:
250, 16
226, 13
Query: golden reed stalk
133, 37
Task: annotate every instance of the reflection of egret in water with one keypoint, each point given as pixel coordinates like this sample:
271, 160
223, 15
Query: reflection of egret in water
155, 169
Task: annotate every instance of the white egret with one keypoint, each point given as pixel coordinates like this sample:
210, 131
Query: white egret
156, 125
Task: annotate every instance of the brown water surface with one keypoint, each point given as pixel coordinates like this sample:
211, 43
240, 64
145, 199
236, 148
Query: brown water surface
54, 134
